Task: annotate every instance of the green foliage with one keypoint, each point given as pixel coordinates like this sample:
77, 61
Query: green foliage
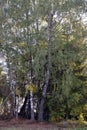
31, 87
81, 118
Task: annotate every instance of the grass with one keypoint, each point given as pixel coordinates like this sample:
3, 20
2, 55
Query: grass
85, 128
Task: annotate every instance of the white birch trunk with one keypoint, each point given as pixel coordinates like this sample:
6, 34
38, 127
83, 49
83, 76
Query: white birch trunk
32, 105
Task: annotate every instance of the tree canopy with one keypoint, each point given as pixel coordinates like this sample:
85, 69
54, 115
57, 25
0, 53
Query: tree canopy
45, 48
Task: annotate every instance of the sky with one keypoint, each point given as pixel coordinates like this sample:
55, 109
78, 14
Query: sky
84, 18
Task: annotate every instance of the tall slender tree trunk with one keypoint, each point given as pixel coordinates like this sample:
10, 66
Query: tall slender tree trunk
32, 105
17, 106
31, 92
12, 97
41, 103
30, 67
47, 74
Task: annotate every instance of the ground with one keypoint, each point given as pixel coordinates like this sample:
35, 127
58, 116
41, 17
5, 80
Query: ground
29, 125
24, 124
